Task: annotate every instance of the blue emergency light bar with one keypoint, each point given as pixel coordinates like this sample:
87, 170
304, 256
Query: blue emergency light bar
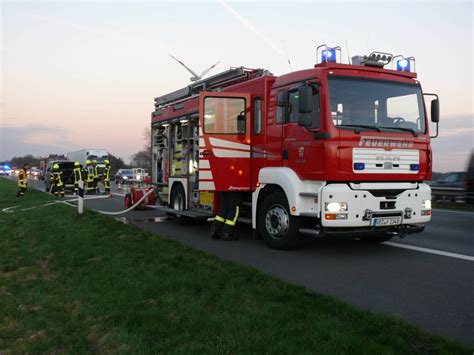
414, 167
359, 166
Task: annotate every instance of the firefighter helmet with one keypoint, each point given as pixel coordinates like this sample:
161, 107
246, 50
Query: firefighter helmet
88, 162
94, 161
76, 163
106, 161
55, 167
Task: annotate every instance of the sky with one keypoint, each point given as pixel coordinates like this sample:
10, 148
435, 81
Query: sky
84, 74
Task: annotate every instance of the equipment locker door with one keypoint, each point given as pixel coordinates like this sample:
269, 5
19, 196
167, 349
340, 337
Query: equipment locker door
224, 141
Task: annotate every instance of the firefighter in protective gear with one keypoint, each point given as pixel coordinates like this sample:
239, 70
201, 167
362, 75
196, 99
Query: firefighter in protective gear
106, 177
96, 176
23, 180
77, 177
225, 221
57, 181
88, 176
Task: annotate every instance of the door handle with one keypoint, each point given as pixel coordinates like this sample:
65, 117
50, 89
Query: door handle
284, 154
206, 153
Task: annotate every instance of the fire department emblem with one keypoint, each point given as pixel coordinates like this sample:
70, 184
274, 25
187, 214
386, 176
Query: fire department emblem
301, 152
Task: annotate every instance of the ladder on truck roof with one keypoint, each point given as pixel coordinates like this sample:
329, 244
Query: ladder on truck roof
226, 78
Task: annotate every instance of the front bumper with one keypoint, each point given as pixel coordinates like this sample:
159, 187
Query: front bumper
378, 201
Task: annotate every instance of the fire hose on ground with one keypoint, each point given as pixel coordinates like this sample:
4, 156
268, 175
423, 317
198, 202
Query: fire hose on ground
80, 205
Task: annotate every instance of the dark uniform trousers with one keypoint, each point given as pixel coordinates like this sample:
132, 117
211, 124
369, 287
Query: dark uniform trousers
226, 218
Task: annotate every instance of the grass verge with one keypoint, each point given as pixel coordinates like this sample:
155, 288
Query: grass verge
91, 284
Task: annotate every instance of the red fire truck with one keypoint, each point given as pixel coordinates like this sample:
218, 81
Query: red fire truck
339, 150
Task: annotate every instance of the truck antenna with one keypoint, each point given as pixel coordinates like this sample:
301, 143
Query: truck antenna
347, 50
286, 55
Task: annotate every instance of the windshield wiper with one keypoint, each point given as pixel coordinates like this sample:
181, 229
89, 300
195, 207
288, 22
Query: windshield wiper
415, 134
355, 126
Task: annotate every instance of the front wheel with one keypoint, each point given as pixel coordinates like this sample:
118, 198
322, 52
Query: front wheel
278, 228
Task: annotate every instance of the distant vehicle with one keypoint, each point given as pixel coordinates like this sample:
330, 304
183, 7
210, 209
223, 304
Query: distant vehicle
66, 167
139, 174
35, 173
470, 180
5, 170
453, 180
124, 176
89, 154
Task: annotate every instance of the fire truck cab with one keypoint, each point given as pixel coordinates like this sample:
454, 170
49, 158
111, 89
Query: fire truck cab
338, 150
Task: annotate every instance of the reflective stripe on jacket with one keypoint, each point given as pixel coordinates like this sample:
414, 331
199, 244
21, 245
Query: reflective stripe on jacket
56, 179
77, 174
22, 178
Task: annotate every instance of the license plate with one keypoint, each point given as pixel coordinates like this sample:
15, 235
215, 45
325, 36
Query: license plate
386, 221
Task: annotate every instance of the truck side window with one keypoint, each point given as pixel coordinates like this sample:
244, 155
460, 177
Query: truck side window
293, 106
257, 106
221, 114
281, 107
316, 113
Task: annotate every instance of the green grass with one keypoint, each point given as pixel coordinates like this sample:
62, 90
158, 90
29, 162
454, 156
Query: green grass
91, 284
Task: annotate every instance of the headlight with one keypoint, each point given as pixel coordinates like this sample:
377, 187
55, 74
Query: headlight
427, 204
336, 206
125, 177
138, 177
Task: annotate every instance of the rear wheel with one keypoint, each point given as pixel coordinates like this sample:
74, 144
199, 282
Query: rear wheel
278, 228
178, 203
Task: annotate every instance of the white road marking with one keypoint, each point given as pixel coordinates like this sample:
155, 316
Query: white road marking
430, 251
453, 211
118, 194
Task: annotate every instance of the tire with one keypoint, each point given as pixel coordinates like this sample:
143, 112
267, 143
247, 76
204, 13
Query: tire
178, 203
128, 201
278, 228
377, 238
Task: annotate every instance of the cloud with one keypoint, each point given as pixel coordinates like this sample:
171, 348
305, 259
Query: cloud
33, 139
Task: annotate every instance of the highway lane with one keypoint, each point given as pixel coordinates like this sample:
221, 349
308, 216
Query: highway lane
435, 292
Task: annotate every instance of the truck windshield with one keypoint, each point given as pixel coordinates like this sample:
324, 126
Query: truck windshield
376, 105
100, 160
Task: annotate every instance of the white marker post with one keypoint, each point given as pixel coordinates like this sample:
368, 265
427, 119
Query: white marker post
80, 199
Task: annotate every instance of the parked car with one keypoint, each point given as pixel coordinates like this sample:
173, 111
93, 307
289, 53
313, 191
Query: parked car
124, 176
34, 173
66, 167
470, 180
449, 186
139, 174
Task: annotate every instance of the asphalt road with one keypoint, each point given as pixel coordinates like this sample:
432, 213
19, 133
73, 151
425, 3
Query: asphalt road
431, 284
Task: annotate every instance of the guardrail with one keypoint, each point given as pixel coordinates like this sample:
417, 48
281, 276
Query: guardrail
457, 194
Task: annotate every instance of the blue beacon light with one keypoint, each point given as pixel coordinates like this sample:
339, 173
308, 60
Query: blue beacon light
328, 55
359, 166
403, 65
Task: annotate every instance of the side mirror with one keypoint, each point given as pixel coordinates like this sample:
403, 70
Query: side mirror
305, 99
435, 110
241, 123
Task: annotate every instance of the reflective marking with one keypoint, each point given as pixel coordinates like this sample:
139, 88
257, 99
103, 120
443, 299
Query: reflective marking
205, 175
204, 164
227, 153
431, 251
207, 185
215, 142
